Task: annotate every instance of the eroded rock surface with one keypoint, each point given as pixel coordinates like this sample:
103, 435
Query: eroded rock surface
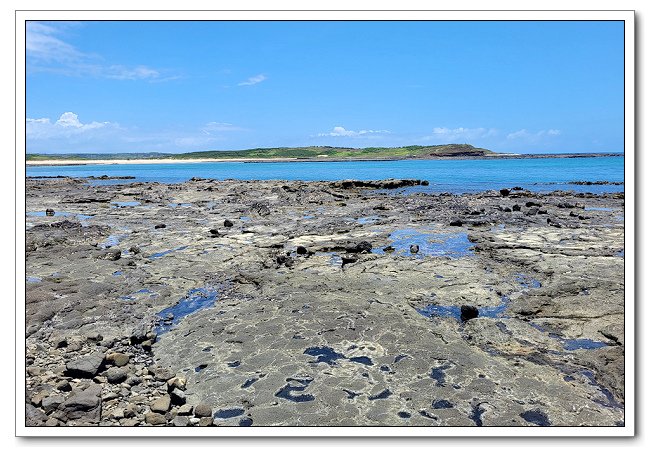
310, 306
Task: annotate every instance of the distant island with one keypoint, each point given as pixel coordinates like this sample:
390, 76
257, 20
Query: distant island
308, 153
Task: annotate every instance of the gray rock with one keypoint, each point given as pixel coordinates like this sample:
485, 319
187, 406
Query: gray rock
414, 249
85, 366
205, 422
178, 397
52, 402
203, 410
112, 254
86, 404
34, 416
161, 405
155, 419
116, 375
181, 421
185, 410
130, 410
64, 386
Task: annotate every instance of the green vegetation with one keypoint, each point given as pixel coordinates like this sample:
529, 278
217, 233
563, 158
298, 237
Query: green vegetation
309, 152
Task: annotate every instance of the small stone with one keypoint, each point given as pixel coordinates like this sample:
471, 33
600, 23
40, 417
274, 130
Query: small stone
135, 250
504, 192
146, 345
456, 223
161, 405
49, 212
64, 386
181, 421
34, 371
59, 341
185, 410
118, 359
117, 414
130, 410
227, 223
516, 207
468, 312
52, 422
414, 249
177, 382
116, 375
161, 374
301, 250
194, 420
205, 422
155, 419
86, 404
34, 416
112, 254
178, 397
203, 410
159, 226
531, 212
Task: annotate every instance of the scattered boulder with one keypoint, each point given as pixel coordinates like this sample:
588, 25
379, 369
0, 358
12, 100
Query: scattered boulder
161, 405
504, 192
185, 410
155, 419
301, 250
49, 212
228, 223
361, 247
118, 359
86, 404
34, 417
202, 410
178, 397
135, 250
456, 223
112, 254
159, 226
414, 248
214, 233
531, 211
85, 366
181, 421
468, 312
51, 403
516, 207
116, 375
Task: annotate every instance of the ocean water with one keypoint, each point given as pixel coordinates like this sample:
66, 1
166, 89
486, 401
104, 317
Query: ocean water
456, 176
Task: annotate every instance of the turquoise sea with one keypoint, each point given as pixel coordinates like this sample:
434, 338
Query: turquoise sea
456, 176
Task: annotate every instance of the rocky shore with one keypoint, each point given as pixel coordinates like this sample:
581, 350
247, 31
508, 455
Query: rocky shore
238, 303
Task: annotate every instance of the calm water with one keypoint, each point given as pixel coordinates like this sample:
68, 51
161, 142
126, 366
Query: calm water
443, 175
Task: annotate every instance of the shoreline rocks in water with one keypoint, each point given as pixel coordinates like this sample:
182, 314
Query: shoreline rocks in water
323, 303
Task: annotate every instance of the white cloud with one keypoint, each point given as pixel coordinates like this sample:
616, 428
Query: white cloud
46, 52
532, 137
445, 134
253, 80
67, 126
219, 127
341, 131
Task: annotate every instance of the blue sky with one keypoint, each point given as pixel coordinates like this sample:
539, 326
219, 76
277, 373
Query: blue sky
99, 87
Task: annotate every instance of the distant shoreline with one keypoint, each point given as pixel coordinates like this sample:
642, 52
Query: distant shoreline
61, 162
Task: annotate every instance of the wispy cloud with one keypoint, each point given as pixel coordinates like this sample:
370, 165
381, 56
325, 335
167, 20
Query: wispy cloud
445, 134
341, 131
48, 52
532, 137
253, 80
211, 127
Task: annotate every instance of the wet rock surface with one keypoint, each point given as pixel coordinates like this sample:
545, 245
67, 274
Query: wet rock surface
312, 307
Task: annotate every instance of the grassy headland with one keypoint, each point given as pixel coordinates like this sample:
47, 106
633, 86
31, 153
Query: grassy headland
309, 152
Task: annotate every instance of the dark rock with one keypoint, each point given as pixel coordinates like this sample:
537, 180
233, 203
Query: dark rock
414, 249
112, 254
468, 312
202, 410
34, 417
85, 366
348, 260
178, 397
228, 223
159, 226
379, 184
553, 223
135, 250
531, 212
52, 402
573, 214
284, 260
505, 209
504, 192
361, 247
64, 386
424, 183
261, 209
86, 404
388, 249
301, 250
116, 375
49, 212
531, 204
456, 223
214, 233
516, 207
